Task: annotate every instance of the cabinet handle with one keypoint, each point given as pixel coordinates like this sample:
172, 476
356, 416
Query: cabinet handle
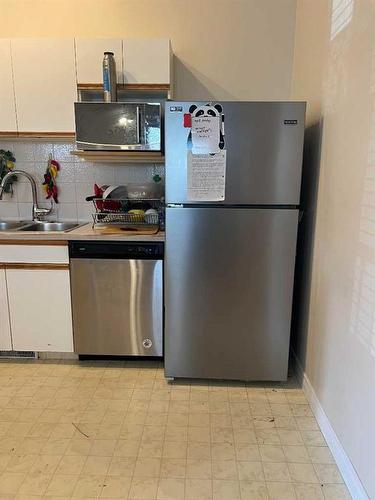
28, 265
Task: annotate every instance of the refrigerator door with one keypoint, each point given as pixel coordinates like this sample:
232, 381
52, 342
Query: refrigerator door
229, 284
264, 142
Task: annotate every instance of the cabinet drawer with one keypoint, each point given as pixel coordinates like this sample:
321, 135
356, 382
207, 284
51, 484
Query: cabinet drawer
30, 254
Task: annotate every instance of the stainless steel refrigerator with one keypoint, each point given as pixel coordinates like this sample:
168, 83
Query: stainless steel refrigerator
229, 264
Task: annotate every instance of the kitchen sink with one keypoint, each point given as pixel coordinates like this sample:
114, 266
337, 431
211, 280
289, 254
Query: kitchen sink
11, 226
50, 226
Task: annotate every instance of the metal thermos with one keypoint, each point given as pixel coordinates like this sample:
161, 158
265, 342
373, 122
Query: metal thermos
109, 77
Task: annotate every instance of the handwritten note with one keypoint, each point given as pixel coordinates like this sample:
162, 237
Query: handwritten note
206, 176
205, 134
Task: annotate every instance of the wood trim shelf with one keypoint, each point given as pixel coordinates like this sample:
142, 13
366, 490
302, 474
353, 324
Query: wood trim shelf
8, 134
165, 87
26, 265
37, 135
34, 242
47, 134
120, 156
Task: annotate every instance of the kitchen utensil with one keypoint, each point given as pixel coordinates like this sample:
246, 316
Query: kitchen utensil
143, 191
126, 230
100, 203
115, 192
150, 215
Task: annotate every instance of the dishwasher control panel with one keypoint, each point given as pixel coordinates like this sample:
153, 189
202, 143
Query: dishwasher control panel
115, 250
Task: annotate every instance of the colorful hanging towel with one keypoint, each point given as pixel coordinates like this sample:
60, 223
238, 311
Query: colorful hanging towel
49, 184
7, 163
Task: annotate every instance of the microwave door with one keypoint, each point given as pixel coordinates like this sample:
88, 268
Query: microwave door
108, 126
127, 126
151, 126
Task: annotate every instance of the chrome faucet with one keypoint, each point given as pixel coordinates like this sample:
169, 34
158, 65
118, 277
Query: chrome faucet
37, 212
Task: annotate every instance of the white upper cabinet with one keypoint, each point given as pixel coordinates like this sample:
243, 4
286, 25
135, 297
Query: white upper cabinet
89, 58
38, 84
147, 61
45, 84
5, 336
8, 122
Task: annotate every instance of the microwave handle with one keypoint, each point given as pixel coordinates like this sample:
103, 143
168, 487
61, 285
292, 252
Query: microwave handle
138, 123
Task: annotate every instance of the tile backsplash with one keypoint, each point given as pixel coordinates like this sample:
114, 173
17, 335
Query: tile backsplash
75, 180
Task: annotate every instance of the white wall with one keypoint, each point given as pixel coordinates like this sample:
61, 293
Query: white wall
75, 180
334, 70
224, 49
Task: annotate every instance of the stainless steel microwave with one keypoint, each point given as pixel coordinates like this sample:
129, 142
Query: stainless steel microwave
133, 126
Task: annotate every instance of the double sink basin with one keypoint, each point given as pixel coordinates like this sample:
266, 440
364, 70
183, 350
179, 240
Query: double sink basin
33, 226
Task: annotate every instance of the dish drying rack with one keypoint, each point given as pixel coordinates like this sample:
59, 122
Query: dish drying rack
115, 212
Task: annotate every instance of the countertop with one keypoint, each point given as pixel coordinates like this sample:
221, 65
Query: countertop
83, 232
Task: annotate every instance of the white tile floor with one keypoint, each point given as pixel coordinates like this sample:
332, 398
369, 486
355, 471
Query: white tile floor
119, 430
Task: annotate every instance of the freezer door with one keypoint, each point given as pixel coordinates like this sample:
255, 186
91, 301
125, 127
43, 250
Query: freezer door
229, 284
264, 142
117, 306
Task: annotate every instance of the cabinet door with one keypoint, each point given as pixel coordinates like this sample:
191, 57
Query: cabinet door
8, 121
5, 337
89, 58
40, 309
45, 84
146, 61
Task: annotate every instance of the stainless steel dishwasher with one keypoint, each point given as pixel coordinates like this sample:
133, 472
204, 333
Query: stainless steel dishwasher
117, 298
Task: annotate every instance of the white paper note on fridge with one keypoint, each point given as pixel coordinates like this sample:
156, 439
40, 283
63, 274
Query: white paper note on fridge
205, 134
206, 176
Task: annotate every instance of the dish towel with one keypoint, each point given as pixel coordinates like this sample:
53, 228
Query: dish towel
49, 184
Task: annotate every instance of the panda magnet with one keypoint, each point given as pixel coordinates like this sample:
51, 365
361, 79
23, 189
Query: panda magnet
206, 125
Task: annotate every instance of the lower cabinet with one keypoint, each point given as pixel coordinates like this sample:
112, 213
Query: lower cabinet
39, 309
5, 336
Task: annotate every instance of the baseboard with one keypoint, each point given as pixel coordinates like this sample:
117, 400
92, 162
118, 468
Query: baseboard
343, 462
